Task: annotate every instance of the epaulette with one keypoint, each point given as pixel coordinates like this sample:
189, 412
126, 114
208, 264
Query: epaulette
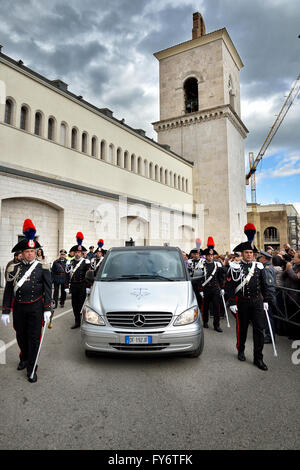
10, 268
87, 261
219, 264
259, 265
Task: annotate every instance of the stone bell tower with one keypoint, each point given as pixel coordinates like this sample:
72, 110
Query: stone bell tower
200, 120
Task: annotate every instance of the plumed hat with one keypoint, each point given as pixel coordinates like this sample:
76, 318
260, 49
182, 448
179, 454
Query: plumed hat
79, 246
100, 244
210, 247
28, 242
249, 231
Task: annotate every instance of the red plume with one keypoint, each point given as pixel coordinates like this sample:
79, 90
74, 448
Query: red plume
79, 235
249, 227
210, 242
28, 225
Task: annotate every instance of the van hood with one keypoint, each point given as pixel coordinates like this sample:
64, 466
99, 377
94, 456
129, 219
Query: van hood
175, 297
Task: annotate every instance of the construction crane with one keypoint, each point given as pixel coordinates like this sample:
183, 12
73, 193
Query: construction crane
253, 162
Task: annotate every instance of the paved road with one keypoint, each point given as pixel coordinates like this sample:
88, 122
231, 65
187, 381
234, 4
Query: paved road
212, 402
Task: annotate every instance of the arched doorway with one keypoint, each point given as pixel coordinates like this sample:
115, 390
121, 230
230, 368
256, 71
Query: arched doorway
44, 216
136, 228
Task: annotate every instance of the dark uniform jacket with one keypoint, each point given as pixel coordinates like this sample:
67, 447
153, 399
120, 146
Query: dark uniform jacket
58, 271
218, 279
76, 278
257, 286
36, 287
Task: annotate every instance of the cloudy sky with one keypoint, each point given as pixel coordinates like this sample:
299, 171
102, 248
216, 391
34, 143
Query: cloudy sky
104, 51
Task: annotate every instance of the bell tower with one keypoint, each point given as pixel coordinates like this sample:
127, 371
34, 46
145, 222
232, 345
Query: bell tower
200, 120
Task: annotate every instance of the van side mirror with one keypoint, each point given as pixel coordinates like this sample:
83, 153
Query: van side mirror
90, 276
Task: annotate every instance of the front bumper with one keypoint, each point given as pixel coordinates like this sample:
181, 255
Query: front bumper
170, 340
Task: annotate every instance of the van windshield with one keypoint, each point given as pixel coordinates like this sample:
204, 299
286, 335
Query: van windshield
146, 265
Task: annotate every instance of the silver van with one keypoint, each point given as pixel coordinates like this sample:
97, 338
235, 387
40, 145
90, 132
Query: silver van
142, 301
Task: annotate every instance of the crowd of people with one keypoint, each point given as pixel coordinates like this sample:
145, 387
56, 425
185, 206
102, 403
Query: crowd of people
259, 287
282, 269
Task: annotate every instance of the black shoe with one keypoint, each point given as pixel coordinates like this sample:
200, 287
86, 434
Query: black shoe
267, 340
77, 325
62, 305
34, 378
205, 325
22, 365
260, 364
241, 356
218, 329
55, 305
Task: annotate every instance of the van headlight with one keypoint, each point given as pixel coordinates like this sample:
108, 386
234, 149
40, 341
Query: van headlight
90, 316
189, 316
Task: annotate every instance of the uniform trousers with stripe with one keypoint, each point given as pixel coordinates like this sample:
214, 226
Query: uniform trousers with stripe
250, 309
212, 300
28, 322
78, 293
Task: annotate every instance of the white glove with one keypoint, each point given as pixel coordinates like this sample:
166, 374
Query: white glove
222, 292
5, 319
47, 316
202, 294
67, 291
266, 306
234, 309
88, 290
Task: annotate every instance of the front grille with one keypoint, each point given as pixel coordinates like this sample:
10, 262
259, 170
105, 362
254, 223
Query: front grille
139, 347
146, 320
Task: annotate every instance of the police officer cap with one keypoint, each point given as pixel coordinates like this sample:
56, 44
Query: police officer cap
265, 254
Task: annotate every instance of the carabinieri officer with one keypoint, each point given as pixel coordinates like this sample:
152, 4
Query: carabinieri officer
28, 294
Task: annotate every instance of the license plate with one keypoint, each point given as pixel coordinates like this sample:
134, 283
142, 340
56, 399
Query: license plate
138, 339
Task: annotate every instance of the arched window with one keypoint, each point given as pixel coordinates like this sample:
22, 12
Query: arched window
161, 173
103, 150
111, 153
8, 111
175, 180
191, 95
126, 160
94, 146
271, 235
145, 168
132, 163
51, 128
84, 142
178, 183
74, 138
139, 166
151, 170
63, 134
166, 177
156, 173
182, 184
119, 157
24, 118
186, 185
38, 123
